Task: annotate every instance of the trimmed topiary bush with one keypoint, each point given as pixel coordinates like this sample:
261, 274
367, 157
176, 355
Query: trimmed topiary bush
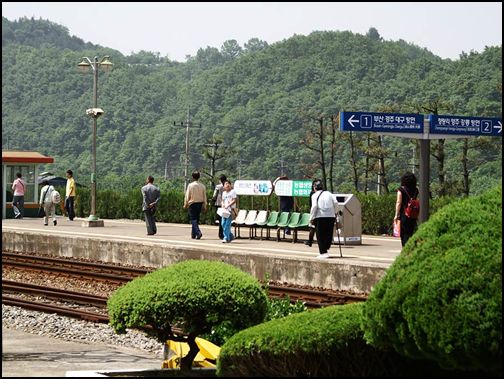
193, 296
442, 297
323, 342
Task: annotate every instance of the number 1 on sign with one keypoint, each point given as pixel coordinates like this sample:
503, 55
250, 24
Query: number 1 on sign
366, 121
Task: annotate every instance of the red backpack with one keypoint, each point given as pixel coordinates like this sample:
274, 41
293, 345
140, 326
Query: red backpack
412, 209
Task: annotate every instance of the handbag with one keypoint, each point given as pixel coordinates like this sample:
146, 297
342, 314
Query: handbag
397, 228
41, 212
223, 212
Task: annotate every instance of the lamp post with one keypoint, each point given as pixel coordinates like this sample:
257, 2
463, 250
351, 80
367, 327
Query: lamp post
94, 113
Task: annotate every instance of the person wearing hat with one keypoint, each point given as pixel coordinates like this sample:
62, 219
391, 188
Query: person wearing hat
46, 201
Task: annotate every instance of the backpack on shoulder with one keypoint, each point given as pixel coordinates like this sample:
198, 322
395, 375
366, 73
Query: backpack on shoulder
55, 197
412, 209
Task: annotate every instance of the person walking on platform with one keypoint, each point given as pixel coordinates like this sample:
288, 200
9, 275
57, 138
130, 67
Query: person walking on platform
18, 188
46, 201
408, 190
196, 201
217, 202
70, 195
228, 203
311, 233
151, 196
323, 216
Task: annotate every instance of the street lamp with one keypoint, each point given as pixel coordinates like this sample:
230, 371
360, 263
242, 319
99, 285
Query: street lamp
94, 113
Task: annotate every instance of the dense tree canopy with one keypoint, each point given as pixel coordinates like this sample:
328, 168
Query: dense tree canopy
261, 100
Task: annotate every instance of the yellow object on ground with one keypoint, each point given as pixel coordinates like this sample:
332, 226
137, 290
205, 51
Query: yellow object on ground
205, 358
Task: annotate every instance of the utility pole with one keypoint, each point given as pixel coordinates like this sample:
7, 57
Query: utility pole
240, 166
380, 183
187, 125
282, 166
186, 167
213, 158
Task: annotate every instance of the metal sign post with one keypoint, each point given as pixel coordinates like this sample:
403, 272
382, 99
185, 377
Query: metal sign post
424, 129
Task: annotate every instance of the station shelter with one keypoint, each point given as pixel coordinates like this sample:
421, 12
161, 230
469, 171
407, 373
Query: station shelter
27, 163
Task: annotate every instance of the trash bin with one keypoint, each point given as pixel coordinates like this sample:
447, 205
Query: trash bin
348, 219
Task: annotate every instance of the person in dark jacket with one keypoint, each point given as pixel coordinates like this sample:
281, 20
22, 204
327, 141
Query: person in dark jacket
151, 196
407, 190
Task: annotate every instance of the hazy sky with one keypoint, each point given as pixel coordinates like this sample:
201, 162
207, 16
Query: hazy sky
178, 29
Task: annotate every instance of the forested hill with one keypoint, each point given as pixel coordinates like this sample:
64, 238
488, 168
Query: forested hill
260, 104
40, 33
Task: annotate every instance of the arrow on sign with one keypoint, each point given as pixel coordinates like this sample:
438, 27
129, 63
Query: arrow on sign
498, 127
351, 121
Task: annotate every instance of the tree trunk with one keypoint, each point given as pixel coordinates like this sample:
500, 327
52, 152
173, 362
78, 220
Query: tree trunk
383, 175
322, 160
333, 151
440, 157
465, 169
187, 361
366, 170
354, 163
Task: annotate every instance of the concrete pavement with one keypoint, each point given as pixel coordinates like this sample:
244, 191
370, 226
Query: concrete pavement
31, 355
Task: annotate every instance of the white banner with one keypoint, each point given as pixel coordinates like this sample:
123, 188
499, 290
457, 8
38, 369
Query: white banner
300, 188
253, 187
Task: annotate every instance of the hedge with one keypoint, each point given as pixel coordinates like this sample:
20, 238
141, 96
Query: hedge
442, 297
323, 342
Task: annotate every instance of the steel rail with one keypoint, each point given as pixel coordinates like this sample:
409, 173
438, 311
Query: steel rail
54, 293
48, 308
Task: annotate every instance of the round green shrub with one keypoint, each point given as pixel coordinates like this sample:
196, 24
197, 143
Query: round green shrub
323, 342
193, 295
442, 297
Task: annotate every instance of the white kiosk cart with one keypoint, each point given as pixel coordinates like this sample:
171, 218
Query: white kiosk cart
348, 219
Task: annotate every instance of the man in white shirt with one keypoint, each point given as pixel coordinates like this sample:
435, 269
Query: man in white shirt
323, 216
46, 195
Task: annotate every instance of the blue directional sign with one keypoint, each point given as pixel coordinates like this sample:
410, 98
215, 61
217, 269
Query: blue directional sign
465, 126
381, 122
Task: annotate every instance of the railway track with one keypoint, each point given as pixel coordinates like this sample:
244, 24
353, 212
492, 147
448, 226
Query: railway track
74, 269
52, 308
313, 298
53, 293
120, 275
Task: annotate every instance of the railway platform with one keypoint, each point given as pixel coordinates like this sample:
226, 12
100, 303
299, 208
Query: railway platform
126, 242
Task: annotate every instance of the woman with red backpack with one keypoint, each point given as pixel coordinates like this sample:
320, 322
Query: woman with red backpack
407, 206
